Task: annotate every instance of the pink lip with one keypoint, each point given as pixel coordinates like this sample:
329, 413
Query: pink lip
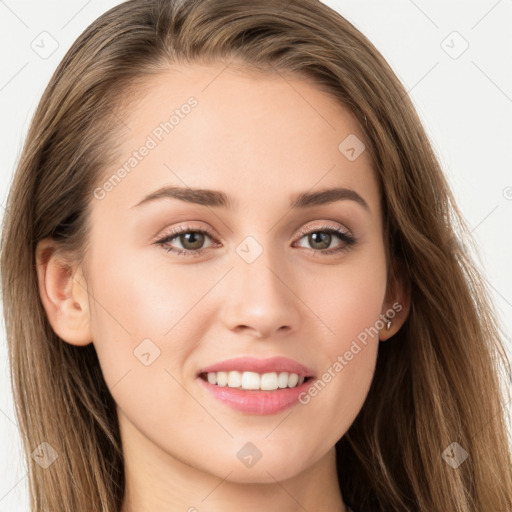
257, 401
251, 364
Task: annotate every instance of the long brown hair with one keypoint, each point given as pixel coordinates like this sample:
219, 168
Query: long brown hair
437, 380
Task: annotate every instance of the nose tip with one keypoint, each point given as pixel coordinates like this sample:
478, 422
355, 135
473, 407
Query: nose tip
260, 300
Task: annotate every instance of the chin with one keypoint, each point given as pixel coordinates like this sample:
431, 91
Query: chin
267, 469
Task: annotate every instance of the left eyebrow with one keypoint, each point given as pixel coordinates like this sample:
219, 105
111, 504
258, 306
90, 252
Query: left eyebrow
216, 198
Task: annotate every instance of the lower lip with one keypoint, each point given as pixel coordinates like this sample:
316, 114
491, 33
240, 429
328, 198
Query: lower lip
257, 401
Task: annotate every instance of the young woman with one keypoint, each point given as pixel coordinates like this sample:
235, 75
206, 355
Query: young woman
234, 278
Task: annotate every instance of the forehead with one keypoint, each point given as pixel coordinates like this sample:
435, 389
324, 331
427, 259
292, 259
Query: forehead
256, 136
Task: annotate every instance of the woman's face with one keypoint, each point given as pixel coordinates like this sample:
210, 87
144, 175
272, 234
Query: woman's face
259, 272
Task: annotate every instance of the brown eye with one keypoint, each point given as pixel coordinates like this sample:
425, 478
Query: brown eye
320, 240
192, 240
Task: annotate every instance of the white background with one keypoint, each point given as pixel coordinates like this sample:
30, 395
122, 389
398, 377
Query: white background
464, 102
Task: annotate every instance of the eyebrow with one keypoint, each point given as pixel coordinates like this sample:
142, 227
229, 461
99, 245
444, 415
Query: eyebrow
218, 199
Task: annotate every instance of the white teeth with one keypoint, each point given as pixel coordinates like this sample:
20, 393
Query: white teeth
234, 379
252, 380
222, 378
282, 380
269, 381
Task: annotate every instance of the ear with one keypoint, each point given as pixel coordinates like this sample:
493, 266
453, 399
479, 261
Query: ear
63, 292
396, 305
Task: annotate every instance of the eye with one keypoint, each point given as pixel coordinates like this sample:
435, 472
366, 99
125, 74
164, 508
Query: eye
320, 238
191, 241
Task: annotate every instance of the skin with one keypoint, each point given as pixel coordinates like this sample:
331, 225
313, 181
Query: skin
261, 140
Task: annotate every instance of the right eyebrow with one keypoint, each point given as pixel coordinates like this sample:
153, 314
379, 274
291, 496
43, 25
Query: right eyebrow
200, 196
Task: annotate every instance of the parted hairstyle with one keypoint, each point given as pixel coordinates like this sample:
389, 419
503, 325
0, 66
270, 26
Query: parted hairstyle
437, 380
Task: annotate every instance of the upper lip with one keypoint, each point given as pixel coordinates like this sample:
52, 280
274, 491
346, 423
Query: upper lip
252, 364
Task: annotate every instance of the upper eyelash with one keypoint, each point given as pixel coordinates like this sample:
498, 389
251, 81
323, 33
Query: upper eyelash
348, 239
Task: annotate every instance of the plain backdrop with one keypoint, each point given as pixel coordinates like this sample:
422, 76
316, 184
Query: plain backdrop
454, 58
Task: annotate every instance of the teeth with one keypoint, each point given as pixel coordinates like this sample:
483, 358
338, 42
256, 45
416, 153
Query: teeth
252, 380
282, 380
222, 378
293, 378
234, 379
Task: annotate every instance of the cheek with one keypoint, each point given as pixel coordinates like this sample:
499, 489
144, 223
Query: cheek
136, 307
141, 296
348, 303
145, 310
347, 298
142, 333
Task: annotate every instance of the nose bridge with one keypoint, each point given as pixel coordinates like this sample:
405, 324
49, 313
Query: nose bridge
258, 268
260, 296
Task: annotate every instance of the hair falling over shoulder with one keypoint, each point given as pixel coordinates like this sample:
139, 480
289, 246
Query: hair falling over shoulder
437, 381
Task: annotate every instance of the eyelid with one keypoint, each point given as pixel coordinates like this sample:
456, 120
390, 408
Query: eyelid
182, 228
323, 225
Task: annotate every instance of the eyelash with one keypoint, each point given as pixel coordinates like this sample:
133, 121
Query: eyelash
348, 240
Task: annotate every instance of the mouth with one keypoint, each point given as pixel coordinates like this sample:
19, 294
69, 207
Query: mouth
257, 386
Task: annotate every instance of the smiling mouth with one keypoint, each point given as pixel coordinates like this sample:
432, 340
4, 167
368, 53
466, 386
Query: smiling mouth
253, 381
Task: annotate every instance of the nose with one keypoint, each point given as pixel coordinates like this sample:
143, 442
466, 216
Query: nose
261, 300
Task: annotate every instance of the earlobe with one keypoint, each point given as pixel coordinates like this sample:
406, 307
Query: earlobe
63, 292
